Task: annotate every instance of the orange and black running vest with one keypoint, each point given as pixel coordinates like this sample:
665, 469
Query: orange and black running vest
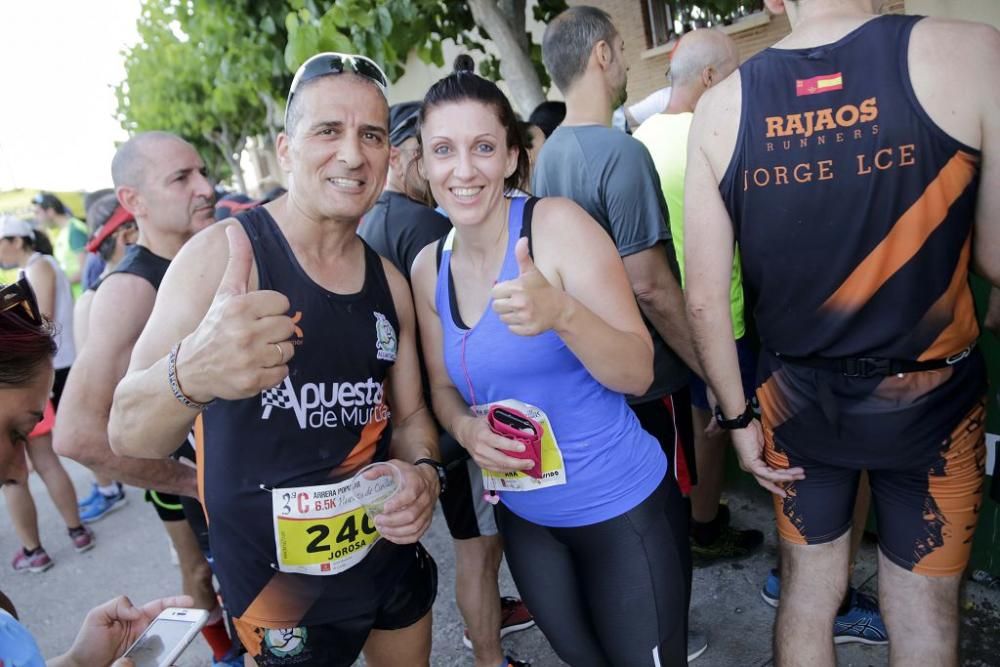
853, 210
327, 418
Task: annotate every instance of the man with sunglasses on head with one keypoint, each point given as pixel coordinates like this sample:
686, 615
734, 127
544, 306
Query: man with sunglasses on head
290, 340
160, 179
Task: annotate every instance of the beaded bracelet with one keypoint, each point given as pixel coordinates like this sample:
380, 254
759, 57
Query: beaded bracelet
175, 386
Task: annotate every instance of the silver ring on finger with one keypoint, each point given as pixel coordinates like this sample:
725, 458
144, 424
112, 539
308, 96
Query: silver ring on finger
281, 354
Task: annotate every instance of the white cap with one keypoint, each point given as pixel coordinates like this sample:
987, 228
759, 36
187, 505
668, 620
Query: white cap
11, 226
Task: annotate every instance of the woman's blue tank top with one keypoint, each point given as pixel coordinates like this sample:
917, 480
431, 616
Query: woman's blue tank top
611, 463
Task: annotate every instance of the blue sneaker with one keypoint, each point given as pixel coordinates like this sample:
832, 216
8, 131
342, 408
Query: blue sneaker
94, 495
862, 623
771, 592
103, 505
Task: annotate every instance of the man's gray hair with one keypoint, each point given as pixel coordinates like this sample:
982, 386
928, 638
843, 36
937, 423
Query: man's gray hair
570, 38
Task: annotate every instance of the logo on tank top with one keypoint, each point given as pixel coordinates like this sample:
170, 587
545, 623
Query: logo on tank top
286, 642
385, 338
328, 404
819, 84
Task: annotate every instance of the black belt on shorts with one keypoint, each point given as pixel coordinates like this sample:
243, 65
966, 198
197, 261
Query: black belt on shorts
866, 367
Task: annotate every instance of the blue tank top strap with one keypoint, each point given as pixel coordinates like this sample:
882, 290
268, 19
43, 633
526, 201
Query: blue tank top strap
519, 224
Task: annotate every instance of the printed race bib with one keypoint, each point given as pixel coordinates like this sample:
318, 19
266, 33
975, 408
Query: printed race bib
320, 529
553, 467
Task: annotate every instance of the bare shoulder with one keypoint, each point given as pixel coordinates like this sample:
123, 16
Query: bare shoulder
120, 308
202, 260
551, 211
562, 221
716, 122
953, 65
423, 274
563, 233
397, 282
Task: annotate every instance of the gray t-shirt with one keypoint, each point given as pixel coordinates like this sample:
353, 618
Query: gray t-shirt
398, 228
612, 177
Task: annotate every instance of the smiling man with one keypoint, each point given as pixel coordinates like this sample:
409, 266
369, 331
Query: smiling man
301, 341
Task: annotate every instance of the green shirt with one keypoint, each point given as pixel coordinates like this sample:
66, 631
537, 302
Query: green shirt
69, 242
666, 137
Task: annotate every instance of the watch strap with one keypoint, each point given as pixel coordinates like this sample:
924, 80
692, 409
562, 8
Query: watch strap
742, 421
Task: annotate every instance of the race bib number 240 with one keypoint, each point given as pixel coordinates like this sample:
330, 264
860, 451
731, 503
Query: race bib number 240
320, 529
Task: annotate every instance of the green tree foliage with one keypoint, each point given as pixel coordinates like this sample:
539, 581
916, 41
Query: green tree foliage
207, 71
388, 30
217, 73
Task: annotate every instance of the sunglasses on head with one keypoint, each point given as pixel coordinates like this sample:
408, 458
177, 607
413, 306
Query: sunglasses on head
20, 298
325, 64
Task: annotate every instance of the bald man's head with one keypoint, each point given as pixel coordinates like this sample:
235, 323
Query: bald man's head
701, 50
130, 166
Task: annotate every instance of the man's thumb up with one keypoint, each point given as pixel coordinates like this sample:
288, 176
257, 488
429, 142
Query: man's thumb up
236, 279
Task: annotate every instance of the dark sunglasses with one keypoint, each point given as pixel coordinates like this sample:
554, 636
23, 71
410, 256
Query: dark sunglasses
325, 64
20, 298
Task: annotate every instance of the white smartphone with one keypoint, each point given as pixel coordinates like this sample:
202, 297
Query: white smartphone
167, 637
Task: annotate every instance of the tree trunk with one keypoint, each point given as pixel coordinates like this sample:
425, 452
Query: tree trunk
508, 34
230, 153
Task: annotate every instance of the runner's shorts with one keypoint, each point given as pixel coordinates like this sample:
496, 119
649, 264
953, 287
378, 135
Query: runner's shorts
920, 436
339, 644
168, 506
467, 514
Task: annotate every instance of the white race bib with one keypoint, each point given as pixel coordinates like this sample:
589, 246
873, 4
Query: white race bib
553, 467
320, 529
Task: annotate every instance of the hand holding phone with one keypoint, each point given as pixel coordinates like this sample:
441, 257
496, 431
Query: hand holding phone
167, 637
515, 425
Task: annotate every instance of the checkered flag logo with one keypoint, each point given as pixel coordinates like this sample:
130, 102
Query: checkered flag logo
281, 396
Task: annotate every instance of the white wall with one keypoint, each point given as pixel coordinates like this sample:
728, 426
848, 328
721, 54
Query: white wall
984, 11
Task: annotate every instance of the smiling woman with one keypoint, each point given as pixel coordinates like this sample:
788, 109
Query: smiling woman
531, 337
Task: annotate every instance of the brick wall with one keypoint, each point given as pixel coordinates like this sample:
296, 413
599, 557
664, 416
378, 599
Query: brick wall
647, 66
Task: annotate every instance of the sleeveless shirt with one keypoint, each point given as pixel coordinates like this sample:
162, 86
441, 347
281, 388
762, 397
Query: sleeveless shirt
62, 313
328, 418
612, 465
853, 209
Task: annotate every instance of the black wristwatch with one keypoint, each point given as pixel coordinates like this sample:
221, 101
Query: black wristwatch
735, 423
439, 469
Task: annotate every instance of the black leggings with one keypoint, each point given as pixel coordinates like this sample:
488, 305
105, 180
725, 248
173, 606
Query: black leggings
609, 593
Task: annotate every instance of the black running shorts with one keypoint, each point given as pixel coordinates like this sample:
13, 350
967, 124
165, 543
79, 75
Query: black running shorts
339, 644
920, 436
467, 514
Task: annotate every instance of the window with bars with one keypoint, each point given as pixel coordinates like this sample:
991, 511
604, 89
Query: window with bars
664, 20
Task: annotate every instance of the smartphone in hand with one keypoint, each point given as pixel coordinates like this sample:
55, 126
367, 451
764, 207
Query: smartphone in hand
167, 637
515, 425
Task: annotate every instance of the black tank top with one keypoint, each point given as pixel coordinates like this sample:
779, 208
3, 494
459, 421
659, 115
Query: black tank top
141, 261
327, 419
853, 209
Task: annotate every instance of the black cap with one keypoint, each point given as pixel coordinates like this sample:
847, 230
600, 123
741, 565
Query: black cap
48, 200
403, 121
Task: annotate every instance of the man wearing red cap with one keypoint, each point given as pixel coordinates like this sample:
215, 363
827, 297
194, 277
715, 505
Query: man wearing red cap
115, 230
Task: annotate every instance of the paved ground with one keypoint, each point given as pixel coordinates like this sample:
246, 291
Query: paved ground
132, 557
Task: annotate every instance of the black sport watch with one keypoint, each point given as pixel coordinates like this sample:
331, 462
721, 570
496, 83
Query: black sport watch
439, 469
735, 423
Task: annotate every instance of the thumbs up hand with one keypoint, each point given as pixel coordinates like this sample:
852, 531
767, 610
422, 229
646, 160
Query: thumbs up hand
529, 304
241, 346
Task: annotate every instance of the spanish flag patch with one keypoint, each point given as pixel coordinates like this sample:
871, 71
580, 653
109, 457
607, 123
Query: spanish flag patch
819, 84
